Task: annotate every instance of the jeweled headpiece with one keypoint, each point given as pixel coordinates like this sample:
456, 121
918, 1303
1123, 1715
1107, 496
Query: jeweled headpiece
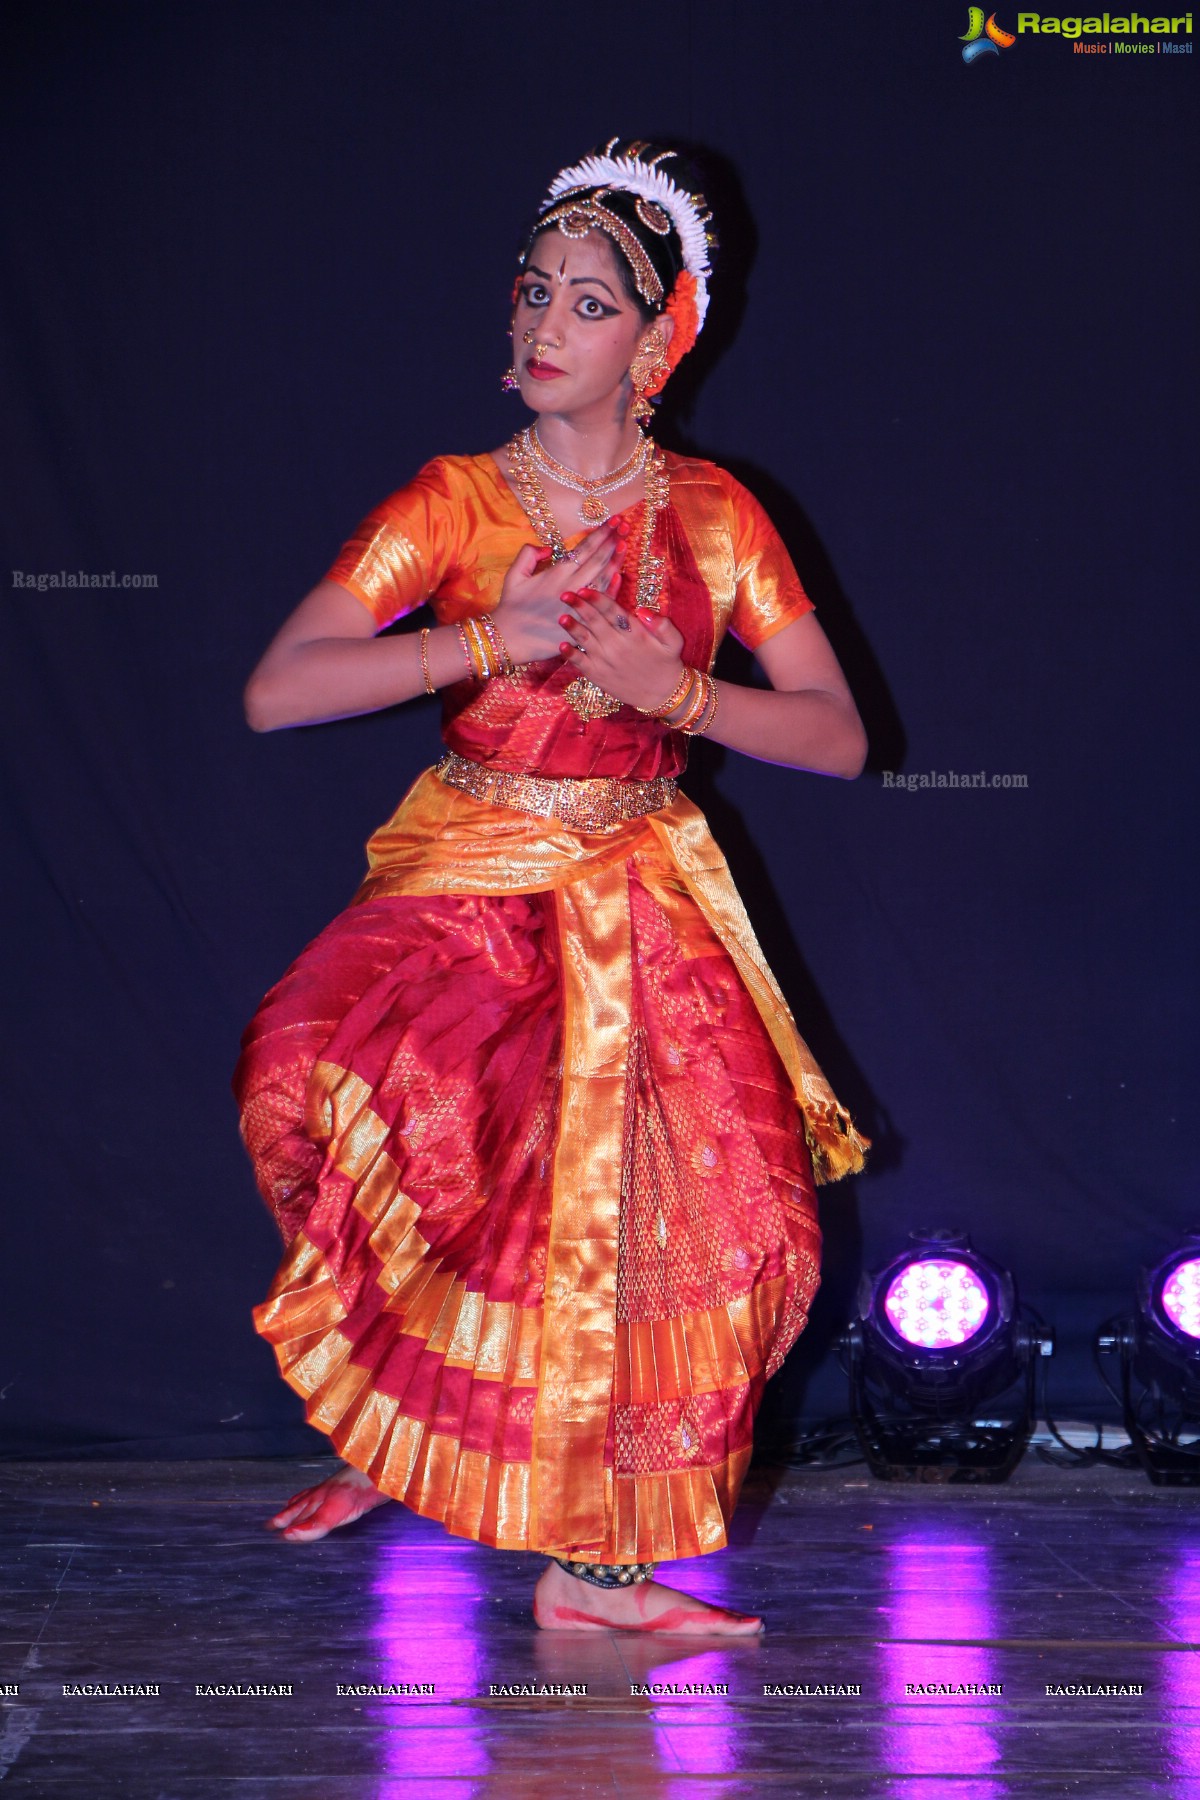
663, 230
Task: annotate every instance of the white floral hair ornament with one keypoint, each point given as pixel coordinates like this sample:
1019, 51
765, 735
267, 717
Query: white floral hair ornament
647, 180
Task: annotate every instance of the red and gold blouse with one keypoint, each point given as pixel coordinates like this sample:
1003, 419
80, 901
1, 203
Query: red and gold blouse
450, 536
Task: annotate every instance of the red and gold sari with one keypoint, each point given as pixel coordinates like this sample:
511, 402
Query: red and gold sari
532, 1114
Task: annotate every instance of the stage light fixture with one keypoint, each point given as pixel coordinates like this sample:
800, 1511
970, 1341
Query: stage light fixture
936, 1304
939, 1334
1159, 1355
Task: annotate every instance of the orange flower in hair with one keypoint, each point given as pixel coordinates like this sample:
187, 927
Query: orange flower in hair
681, 307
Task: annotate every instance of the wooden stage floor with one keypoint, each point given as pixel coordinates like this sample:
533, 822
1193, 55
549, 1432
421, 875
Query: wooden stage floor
132, 1574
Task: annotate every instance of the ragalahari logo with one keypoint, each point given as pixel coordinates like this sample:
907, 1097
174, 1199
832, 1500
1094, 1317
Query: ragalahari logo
983, 39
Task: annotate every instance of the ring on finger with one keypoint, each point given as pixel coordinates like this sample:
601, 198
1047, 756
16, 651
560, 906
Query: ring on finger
621, 622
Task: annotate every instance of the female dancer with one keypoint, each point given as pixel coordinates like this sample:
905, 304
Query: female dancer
532, 1114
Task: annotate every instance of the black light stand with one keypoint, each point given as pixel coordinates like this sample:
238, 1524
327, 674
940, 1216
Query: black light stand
917, 1408
1159, 1359
903, 1441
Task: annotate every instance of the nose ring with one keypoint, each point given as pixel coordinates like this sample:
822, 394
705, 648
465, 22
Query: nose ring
530, 335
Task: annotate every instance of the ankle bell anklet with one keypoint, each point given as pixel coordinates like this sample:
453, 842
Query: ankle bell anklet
608, 1575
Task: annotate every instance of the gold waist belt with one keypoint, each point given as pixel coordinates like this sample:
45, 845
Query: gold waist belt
585, 803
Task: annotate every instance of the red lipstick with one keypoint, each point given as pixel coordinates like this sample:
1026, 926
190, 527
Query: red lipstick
542, 371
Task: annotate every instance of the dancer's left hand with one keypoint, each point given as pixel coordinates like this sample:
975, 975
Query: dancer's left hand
634, 656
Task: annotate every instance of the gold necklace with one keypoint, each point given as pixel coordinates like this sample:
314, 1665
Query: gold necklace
593, 510
588, 700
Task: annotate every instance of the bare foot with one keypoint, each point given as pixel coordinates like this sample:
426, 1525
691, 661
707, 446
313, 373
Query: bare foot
563, 1602
338, 1500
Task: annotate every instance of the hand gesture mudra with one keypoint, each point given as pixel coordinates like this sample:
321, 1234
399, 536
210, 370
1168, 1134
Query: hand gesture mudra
535, 590
635, 656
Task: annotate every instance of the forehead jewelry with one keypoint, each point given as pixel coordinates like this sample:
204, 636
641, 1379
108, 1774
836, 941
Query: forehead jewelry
575, 218
656, 195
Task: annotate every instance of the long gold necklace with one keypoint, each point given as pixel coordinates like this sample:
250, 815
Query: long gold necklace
585, 698
592, 510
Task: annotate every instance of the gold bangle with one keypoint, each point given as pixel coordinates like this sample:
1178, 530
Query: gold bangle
693, 703
696, 705
480, 650
487, 650
708, 715
678, 694
428, 679
499, 648
464, 640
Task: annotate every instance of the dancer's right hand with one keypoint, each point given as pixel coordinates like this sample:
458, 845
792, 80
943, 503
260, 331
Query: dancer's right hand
531, 599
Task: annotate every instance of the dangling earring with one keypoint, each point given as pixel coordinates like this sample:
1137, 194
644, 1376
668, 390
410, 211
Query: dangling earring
508, 381
649, 369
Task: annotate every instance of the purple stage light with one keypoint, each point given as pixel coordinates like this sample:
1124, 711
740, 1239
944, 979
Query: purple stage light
936, 1304
938, 1334
1181, 1297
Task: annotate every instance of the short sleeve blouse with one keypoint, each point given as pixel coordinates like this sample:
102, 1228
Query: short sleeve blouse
453, 530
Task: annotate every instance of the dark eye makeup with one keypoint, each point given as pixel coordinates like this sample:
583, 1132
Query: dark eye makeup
537, 294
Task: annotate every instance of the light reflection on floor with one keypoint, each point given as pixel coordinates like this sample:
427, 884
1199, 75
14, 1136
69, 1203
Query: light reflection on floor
462, 1737
452, 1613
939, 1586
697, 1736
413, 1745
1180, 1669
1065, 1579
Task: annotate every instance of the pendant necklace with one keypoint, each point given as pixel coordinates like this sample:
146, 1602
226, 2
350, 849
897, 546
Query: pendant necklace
583, 696
592, 510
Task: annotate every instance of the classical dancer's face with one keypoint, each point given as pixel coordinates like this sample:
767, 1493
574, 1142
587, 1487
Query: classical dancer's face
572, 301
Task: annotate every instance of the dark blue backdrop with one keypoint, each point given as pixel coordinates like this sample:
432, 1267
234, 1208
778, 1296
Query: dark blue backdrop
257, 260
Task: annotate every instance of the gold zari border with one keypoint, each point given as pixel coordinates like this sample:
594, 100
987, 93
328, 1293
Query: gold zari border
548, 1505
439, 841
572, 1350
